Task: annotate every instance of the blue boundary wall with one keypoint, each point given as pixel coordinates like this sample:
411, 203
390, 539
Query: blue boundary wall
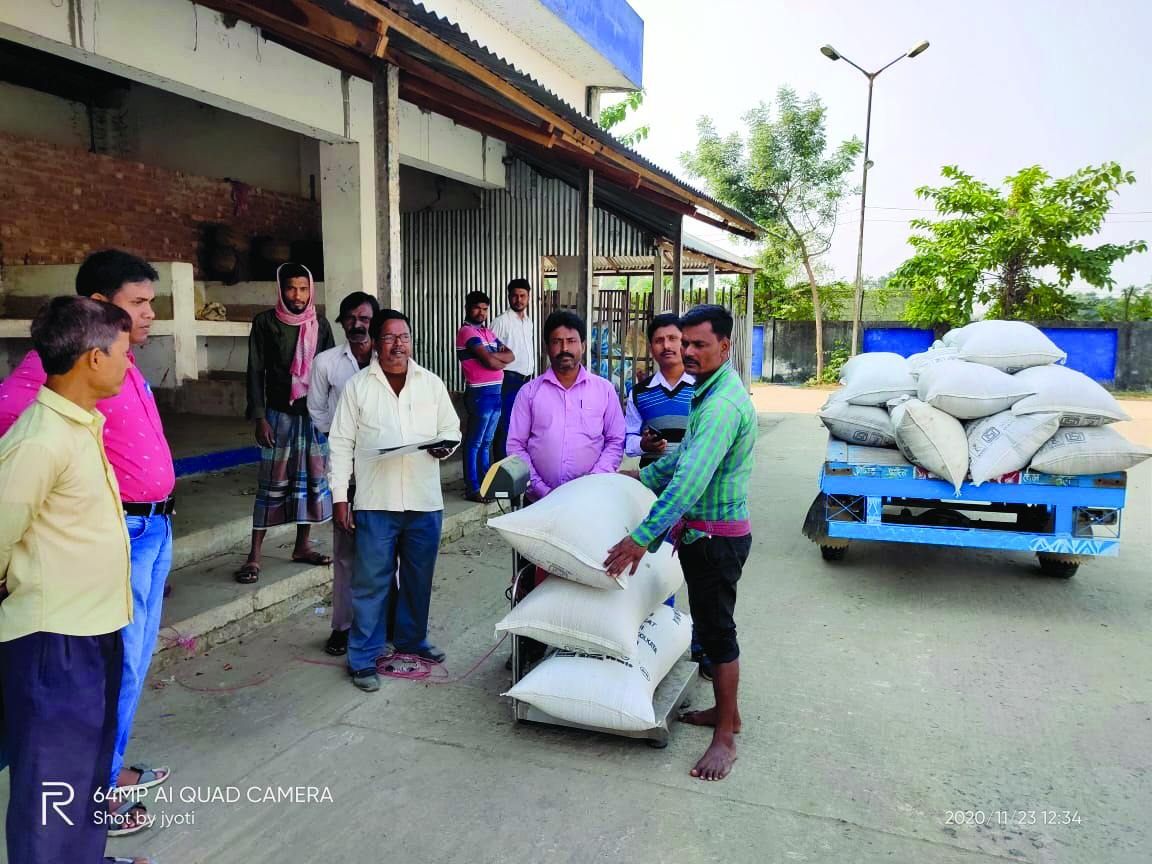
1117, 354
904, 341
612, 27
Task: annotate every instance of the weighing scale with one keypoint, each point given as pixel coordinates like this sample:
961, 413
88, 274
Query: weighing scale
508, 480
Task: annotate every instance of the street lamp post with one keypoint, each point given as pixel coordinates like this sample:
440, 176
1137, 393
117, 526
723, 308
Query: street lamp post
858, 304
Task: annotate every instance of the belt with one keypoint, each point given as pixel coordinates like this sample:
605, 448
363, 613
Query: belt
151, 508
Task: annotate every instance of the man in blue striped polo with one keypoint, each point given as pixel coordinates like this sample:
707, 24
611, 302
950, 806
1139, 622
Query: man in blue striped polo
657, 411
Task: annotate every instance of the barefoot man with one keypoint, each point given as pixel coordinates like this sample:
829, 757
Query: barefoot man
703, 489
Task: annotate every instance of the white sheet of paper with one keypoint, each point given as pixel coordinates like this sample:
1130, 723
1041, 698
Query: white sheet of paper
391, 452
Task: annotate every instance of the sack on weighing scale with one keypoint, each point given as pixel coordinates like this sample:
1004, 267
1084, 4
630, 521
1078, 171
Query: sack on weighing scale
607, 692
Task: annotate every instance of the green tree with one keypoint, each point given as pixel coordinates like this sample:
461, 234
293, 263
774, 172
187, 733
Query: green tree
614, 115
996, 247
1133, 304
782, 177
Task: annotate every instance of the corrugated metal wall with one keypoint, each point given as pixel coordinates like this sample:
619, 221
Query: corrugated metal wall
449, 253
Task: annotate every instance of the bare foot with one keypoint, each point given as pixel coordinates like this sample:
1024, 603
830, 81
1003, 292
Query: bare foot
716, 763
707, 717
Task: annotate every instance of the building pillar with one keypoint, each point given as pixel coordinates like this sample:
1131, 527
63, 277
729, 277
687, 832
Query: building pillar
587, 255
749, 324
711, 298
658, 282
386, 114
678, 267
340, 207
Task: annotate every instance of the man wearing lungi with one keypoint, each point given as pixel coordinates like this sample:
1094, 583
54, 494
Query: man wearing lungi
65, 588
703, 489
293, 480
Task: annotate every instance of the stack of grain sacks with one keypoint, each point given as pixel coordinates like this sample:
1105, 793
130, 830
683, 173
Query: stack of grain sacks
987, 400
615, 640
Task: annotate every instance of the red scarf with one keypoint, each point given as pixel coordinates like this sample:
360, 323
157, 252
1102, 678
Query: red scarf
301, 367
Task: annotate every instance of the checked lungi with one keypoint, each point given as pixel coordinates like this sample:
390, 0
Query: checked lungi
293, 481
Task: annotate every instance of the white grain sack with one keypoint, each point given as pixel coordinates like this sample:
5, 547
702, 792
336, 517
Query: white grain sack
1088, 450
578, 617
570, 532
607, 692
875, 378
969, 391
1007, 345
1005, 442
931, 439
858, 424
1078, 399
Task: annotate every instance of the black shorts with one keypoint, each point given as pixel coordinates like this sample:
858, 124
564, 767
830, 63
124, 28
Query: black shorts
712, 567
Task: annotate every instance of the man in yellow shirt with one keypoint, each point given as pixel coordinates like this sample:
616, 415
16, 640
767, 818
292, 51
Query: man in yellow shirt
65, 565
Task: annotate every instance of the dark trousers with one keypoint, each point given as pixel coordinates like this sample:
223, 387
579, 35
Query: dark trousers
383, 540
712, 567
513, 381
59, 695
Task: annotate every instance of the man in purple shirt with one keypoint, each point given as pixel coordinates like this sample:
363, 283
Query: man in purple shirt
568, 422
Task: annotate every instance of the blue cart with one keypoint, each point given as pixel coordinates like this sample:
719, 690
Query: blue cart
872, 493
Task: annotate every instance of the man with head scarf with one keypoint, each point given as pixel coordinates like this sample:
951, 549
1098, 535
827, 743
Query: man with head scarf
293, 484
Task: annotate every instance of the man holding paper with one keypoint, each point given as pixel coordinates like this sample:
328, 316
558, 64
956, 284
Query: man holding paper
386, 411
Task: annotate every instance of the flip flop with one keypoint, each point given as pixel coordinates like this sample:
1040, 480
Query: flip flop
147, 860
150, 777
248, 573
122, 810
313, 557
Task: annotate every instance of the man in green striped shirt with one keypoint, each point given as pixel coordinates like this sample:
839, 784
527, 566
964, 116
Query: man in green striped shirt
703, 489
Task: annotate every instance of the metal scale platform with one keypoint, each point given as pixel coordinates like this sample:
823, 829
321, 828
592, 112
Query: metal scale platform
508, 480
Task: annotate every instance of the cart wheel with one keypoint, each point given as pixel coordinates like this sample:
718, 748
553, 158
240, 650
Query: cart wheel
833, 553
657, 743
1057, 566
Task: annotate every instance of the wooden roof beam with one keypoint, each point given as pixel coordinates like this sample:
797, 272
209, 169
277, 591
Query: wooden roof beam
425, 39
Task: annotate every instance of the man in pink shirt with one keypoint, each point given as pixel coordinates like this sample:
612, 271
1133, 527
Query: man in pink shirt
482, 360
136, 447
568, 422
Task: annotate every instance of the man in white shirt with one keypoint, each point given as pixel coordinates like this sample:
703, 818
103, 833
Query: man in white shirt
514, 328
399, 505
331, 370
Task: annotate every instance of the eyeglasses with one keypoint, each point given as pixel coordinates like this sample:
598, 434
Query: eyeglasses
390, 338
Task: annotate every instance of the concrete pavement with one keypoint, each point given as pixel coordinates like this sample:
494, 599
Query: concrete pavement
879, 695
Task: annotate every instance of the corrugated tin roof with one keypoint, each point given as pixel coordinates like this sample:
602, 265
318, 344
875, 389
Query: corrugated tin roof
451, 34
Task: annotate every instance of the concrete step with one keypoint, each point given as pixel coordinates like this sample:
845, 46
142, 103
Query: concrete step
208, 607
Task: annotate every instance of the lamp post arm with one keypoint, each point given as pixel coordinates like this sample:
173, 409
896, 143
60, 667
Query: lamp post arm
882, 68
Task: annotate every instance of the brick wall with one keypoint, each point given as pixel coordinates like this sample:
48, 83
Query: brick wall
57, 204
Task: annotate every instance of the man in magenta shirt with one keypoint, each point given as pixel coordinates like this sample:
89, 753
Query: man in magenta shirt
568, 422
482, 360
136, 447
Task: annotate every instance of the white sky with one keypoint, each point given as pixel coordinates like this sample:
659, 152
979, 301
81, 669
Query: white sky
1005, 84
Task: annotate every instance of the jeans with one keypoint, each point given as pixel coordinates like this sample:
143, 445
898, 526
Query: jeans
513, 382
483, 404
59, 711
151, 538
383, 538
